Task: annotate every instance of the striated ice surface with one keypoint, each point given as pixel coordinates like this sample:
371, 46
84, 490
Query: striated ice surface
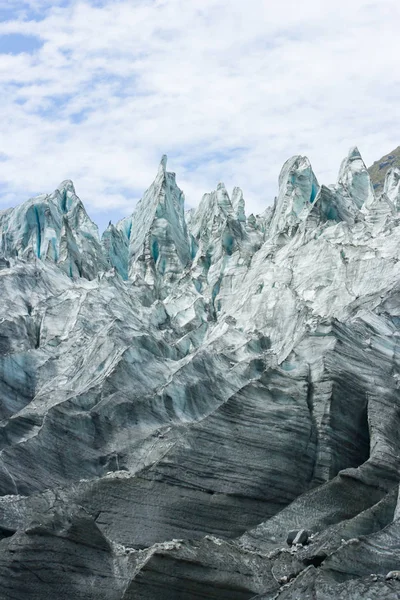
179, 395
298, 188
158, 240
392, 187
354, 179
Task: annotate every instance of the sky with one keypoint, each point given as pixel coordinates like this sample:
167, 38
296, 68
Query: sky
97, 90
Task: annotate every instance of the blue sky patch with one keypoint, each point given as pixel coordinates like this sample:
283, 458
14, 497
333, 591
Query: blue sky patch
16, 43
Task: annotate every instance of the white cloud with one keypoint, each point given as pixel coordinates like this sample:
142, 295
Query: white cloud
228, 89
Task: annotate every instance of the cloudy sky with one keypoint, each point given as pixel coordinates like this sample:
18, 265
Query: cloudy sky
97, 90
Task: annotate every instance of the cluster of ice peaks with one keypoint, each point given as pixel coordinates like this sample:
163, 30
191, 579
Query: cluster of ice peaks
245, 362
54, 227
158, 245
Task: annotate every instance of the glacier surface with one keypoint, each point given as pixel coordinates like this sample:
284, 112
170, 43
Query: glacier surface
180, 393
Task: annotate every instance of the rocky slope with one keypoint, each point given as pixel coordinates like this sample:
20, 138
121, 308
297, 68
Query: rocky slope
181, 394
379, 169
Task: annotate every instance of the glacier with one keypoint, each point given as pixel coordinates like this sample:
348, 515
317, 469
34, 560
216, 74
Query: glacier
182, 392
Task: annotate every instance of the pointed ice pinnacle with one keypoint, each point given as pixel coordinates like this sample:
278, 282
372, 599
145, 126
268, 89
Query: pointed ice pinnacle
66, 195
159, 248
220, 240
238, 204
391, 186
298, 188
163, 163
223, 199
214, 208
115, 244
355, 179
382, 211
39, 228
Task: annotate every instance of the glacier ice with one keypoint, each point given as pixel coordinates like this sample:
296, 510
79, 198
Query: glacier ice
392, 186
182, 392
355, 180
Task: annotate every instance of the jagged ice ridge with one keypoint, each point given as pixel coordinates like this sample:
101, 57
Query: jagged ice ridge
179, 394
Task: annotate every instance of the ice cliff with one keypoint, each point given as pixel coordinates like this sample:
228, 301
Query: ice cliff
180, 394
